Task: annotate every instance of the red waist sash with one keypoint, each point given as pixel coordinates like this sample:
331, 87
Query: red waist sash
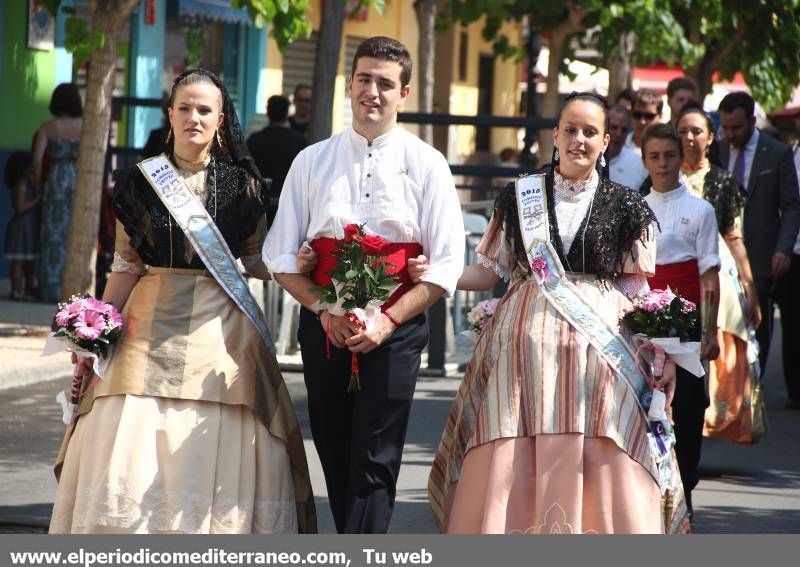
397, 254
681, 277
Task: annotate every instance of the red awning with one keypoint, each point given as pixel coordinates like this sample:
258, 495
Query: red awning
657, 76
792, 107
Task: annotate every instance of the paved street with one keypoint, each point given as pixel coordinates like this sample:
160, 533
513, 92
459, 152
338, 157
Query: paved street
743, 489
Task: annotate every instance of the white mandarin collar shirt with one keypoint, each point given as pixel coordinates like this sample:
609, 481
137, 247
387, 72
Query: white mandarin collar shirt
626, 168
688, 229
397, 184
749, 154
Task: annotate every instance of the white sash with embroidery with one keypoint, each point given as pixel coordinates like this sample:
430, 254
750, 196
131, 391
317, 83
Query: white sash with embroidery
560, 292
198, 226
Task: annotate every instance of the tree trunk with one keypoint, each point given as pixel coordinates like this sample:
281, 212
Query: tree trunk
620, 66
558, 41
327, 64
426, 17
701, 72
715, 54
79, 266
534, 48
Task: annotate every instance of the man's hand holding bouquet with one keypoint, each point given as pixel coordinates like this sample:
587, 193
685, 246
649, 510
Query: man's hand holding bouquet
360, 284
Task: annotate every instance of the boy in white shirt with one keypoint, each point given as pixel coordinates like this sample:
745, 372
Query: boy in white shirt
687, 261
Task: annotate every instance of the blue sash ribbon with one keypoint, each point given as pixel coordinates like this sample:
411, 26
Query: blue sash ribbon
198, 226
562, 293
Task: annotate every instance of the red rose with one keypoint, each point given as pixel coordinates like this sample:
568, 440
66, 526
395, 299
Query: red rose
372, 245
351, 233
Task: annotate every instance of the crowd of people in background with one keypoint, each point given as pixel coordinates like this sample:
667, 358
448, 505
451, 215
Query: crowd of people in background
41, 183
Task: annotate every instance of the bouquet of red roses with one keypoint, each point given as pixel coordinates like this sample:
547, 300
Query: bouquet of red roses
89, 328
360, 283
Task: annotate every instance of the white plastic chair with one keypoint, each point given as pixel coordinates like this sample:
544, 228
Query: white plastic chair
283, 316
474, 227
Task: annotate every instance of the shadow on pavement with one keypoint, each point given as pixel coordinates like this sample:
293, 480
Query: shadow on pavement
34, 516
735, 519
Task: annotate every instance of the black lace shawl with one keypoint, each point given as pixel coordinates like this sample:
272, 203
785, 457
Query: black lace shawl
722, 191
240, 204
618, 218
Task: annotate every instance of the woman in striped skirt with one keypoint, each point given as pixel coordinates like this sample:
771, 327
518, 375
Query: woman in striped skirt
544, 435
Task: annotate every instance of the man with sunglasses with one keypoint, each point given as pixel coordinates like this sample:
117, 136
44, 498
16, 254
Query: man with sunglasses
647, 107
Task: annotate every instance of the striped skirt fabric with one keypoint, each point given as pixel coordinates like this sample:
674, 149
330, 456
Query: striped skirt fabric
533, 374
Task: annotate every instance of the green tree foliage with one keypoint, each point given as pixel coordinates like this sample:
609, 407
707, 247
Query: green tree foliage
288, 18
661, 37
759, 38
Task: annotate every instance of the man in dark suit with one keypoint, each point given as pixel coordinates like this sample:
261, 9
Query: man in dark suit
772, 214
274, 148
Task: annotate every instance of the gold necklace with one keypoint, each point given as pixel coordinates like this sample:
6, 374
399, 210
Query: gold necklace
201, 162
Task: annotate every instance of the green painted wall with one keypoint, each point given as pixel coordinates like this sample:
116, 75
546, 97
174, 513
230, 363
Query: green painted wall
26, 82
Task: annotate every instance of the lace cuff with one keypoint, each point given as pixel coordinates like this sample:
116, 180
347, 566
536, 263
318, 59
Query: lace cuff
494, 266
120, 264
632, 285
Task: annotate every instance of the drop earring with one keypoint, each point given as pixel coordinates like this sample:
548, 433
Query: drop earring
169, 136
556, 156
602, 160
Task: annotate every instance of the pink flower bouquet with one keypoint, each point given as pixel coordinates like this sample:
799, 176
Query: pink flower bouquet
479, 315
661, 323
89, 328
662, 313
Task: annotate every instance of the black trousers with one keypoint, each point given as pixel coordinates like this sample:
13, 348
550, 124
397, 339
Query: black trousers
764, 287
360, 436
788, 301
688, 413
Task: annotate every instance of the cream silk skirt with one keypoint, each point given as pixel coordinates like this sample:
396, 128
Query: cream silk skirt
138, 464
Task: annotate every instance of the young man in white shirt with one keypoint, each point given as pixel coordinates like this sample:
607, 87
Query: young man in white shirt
624, 165
379, 174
